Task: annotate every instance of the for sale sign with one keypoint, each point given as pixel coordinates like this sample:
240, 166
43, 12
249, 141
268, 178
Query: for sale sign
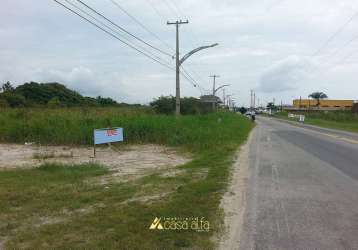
108, 135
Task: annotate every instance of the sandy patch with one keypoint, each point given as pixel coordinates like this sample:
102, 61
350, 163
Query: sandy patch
131, 161
234, 201
147, 199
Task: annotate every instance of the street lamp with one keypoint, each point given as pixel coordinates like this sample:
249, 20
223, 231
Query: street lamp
216, 90
220, 87
178, 64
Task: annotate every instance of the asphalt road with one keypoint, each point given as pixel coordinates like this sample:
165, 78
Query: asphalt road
302, 188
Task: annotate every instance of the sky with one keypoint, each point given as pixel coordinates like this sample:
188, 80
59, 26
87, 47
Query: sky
281, 49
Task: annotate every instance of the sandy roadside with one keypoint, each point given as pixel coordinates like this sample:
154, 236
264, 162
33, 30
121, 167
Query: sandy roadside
234, 201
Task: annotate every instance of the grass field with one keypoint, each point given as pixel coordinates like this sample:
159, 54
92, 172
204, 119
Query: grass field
336, 120
62, 206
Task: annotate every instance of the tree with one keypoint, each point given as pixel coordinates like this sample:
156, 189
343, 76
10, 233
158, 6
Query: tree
7, 87
271, 106
106, 101
318, 96
164, 105
243, 110
14, 100
189, 105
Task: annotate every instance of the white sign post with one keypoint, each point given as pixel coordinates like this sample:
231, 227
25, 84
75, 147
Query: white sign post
302, 118
107, 135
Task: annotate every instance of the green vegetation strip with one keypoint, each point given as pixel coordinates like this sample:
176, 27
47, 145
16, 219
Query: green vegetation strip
68, 207
335, 119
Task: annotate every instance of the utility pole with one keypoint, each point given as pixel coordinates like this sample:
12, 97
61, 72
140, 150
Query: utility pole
224, 98
228, 98
251, 97
214, 87
180, 61
177, 64
254, 100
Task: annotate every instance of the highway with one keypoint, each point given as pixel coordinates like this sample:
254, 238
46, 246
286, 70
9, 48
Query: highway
302, 190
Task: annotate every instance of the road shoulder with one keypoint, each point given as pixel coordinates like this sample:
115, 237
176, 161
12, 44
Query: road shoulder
233, 202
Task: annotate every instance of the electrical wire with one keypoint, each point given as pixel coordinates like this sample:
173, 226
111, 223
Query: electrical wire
113, 35
124, 30
141, 24
113, 30
344, 46
336, 33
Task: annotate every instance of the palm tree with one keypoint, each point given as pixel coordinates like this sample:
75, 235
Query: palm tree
318, 96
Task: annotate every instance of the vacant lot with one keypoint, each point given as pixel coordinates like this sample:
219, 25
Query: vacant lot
89, 206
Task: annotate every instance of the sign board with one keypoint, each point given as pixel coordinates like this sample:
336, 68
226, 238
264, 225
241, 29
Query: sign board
302, 118
108, 135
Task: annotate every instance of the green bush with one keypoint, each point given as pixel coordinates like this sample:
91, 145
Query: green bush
189, 105
13, 99
54, 102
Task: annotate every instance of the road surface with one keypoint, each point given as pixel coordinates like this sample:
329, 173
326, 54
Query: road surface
302, 190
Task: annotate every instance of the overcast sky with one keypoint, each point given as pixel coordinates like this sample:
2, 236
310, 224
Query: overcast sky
280, 48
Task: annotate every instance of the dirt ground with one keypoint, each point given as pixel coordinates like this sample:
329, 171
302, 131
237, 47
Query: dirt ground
131, 161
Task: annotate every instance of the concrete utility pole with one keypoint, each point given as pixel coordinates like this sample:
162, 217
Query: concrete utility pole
228, 98
251, 97
254, 100
224, 101
179, 62
177, 69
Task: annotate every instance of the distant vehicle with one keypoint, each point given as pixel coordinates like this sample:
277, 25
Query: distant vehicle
250, 113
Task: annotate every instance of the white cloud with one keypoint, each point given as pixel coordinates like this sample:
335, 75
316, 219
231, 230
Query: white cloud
285, 74
80, 79
41, 41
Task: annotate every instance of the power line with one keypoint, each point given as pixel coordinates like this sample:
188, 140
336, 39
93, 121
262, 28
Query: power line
156, 10
177, 12
191, 71
124, 30
187, 17
113, 35
184, 72
113, 30
344, 46
171, 8
340, 29
190, 80
141, 24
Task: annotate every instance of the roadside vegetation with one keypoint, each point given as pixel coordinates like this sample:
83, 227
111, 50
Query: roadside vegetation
343, 120
56, 206
52, 95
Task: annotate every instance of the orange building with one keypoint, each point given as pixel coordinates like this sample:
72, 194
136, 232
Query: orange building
324, 104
